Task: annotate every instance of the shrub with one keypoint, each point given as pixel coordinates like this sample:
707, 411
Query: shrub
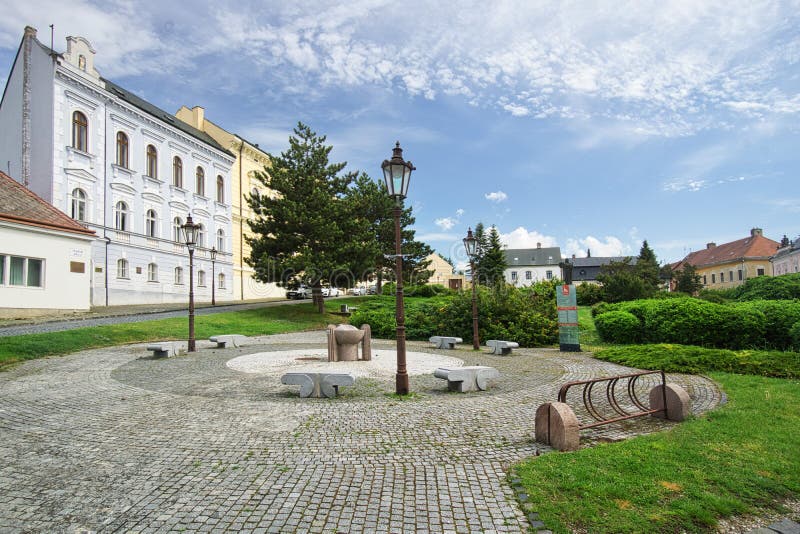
618, 327
784, 287
794, 333
588, 294
779, 317
425, 290
602, 307
714, 295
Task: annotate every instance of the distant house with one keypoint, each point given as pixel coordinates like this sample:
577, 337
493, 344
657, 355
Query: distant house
443, 273
585, 270
45, 256
731, 264
787, 259
525, 266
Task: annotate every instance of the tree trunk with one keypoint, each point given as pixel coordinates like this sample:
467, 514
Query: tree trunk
379, 282
316, 297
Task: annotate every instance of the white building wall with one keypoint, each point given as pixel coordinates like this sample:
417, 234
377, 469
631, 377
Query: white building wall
788, 264
538, 273
62, 289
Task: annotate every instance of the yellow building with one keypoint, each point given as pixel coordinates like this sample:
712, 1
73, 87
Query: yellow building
443, 273
249, 160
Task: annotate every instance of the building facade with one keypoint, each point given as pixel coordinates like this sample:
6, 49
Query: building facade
124, 169
787, 259
585, 270
530, 265
44, 255
250, 159
732, 264
442, 273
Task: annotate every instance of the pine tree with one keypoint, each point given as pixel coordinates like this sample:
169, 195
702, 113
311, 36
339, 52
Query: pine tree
687, 280
482, 241
648, 270
303, 232
493, 262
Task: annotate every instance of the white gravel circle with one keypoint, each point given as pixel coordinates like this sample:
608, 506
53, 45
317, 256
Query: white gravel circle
382, 365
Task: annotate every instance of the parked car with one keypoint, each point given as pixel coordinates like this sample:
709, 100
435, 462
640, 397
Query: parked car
371, 290
357, 291
301, 292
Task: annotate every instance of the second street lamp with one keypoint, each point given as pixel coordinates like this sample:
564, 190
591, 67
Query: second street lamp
213, 275
190, 238
397, 174
471, 246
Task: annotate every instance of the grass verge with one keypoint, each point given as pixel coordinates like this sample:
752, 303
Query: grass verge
720, 464
258, 322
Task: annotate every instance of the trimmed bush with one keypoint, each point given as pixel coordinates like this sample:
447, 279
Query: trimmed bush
784, 287
779, 316
794, 334
588, 294
618, 327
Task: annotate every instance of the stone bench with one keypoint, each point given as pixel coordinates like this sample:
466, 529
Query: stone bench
235, 340
462, 379
501, 347
318, 384
445, 342
164, 349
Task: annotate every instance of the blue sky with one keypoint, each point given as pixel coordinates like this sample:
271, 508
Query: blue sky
578, 124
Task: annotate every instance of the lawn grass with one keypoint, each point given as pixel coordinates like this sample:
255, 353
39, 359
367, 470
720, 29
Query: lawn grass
734, 460
257, 322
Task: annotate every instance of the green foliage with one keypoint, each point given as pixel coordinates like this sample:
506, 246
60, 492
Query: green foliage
525, 315
687, 280
794, 333
784, 287
647, 270
618, 327
588, 294
621, 282
675, 358
493, 260
717, 296
780, 316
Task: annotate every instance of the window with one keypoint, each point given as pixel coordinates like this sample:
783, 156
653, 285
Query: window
2, 270
730, 276
220, 189
152, 161
78, 204
178, 276
713, 278
741, 274
177, 232
721, 277
151, 223
705, 281
121, 216
220, 240
122, 149
177, 172
201, 236
82, 62
152, 272
200, 182
221, 281
28, 272
513, 275
528, 275
201, 278
760, 271
549, 275
122, 268
80, 129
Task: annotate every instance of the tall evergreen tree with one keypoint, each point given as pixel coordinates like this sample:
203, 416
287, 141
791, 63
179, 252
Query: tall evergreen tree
493, 262
482, 241
648, 270
687, 280
302, 232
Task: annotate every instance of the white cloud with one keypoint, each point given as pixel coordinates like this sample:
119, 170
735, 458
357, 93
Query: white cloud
445, 223
608, 246
496, 196
459, 212
523, 238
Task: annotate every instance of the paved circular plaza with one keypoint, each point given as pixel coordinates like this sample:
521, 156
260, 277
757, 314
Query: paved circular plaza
111, 440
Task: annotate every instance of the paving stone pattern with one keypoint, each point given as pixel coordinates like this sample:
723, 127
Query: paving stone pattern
109, 440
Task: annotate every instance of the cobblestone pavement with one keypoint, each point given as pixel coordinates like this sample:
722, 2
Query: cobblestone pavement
108, 440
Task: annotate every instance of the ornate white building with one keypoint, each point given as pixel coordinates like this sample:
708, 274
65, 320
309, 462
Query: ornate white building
122, 167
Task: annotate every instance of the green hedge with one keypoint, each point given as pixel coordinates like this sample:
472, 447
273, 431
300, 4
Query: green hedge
525, 315
756, 324
784, 287
618, 327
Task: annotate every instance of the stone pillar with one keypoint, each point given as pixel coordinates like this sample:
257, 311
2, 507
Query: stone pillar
366, 344
556, 425
332, 356
679, 405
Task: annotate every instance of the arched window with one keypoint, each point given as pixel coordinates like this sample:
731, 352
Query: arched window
80, 129
200, 186
121, 216
177, 172
220, 240
78, 211
152, 272
178, 276
177, 233
152, 161
82, 62
201, 278
201, 236
221, 281
151, 223
220, 189
122, 149
122, 268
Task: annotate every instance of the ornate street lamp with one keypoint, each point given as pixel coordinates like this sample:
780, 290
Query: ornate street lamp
190, 238
213, 275
397, 174
471, 245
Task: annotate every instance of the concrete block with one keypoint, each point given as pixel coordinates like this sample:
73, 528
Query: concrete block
679, 405
557, 426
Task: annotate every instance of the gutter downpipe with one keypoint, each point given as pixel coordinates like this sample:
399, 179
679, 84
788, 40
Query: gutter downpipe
105, 196
241, 224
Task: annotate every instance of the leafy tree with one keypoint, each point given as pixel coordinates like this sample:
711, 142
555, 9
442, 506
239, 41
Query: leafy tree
493, 260
304, 231
621, 281
687, 280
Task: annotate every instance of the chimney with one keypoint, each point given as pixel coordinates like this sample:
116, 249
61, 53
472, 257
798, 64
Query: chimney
588, 253
573, 257
30, 31
198, 116
538, 245
710, 245
756, 231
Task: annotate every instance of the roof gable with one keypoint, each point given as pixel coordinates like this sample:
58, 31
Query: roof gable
755, 246
517, 257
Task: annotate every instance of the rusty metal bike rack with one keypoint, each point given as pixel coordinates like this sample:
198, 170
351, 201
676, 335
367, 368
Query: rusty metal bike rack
588, 385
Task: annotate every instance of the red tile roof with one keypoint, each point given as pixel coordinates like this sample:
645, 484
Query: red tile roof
20, 205
755, 246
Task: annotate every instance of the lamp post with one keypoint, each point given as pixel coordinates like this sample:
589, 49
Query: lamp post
190, 237
213, 275
397, 174
471, 245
